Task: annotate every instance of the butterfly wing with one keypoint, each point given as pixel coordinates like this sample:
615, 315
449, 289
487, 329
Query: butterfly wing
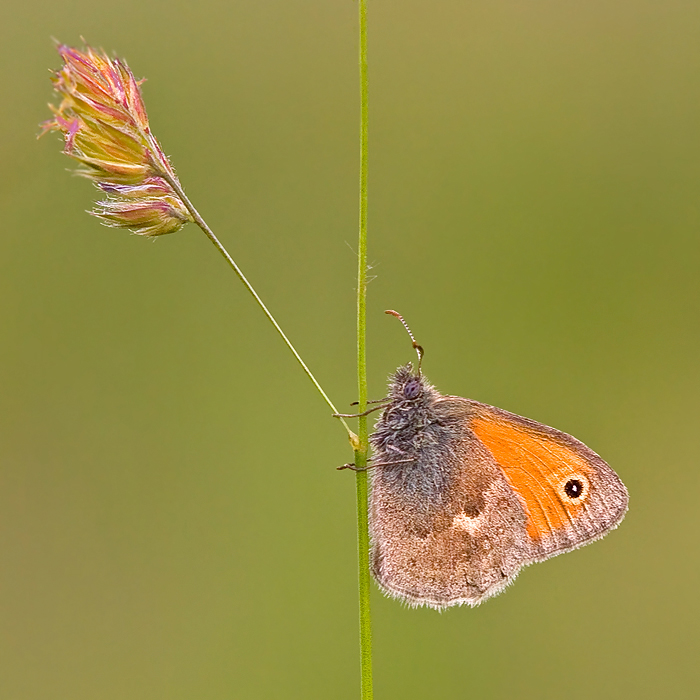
570, 495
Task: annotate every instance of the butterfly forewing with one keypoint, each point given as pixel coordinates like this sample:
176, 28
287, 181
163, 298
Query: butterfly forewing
571, 496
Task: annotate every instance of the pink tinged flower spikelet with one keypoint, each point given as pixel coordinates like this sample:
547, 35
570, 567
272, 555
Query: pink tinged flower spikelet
105, 128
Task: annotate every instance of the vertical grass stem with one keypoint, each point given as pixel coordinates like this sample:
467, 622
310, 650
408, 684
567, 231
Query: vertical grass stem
361, 451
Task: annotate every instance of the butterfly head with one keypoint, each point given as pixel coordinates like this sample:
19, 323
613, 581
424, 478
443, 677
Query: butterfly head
409, 388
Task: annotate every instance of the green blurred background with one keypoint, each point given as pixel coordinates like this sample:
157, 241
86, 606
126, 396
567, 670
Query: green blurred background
171, 522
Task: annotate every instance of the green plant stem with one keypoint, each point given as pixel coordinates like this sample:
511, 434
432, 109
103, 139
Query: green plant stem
362, 449
174, 183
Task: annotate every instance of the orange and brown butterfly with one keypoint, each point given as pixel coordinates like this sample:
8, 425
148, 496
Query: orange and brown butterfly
463, 495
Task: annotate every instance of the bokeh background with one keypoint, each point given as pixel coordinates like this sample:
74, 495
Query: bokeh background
171, 522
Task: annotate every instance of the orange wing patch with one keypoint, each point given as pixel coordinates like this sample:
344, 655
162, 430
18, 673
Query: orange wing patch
540, 469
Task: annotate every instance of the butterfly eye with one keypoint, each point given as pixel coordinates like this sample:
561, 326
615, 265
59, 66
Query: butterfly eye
411, 389
573, 488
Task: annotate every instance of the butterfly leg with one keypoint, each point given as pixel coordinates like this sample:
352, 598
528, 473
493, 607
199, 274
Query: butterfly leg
354, 468
358, 415
375, 464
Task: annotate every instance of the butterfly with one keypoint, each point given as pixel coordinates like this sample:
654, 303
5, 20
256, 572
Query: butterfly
463, 494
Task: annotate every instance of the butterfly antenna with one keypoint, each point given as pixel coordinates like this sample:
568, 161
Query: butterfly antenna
419, 350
